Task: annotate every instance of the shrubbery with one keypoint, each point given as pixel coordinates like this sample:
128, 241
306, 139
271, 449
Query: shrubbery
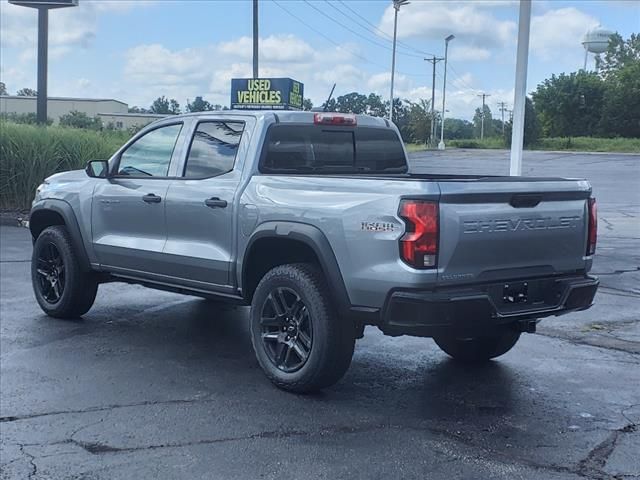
29, 154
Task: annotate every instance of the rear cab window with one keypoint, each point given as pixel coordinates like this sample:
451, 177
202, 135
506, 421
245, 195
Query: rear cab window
326, 149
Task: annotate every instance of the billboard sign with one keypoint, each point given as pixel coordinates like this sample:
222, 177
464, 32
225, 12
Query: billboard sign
266, 94
45, 3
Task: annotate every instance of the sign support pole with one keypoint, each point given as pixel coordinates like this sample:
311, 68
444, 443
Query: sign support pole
43, 34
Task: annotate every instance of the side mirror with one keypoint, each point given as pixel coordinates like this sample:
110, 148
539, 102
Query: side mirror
97, 169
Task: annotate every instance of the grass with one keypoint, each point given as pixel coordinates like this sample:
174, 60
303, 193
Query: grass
576, 144
590, 144
29, 154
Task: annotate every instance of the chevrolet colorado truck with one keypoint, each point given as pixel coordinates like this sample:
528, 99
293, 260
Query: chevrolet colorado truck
316, 222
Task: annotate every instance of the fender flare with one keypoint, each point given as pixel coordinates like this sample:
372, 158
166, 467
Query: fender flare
317, 241
65, 210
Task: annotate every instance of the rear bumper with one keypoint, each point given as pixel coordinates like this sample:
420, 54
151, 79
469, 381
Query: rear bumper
478, 309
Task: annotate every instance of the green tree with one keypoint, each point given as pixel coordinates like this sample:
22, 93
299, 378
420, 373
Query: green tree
351, 103
3, 89
77, 119
531, 126
488, 122
620, 53
199, 105
165, 106
27, 92
570, 105
307, 104
420, 120
375, 106
455, 128
621, 105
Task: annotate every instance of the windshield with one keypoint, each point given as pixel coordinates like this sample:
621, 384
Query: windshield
326, 149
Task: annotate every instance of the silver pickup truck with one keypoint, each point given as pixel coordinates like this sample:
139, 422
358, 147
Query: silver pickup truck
315, 220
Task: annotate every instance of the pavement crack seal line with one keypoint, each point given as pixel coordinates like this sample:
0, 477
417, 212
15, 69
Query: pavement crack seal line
592, 465
32, 462
16, 418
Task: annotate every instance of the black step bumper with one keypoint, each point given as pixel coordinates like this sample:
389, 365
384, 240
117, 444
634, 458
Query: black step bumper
478, 309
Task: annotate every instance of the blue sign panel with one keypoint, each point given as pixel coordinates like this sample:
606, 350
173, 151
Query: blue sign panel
266, 94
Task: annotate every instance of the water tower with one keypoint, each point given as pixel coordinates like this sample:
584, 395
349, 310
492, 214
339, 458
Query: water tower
595, 41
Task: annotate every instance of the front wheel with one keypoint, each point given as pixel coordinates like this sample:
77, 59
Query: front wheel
478, 349
299, 340
61, 287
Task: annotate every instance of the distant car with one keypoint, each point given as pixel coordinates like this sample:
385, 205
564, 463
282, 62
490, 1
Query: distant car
314, 220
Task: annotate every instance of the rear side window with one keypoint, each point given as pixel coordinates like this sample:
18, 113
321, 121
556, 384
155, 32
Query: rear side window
324, 149
213, 149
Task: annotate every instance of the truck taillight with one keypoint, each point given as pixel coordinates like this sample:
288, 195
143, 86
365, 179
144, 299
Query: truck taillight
419, 244
593, 227
345, 119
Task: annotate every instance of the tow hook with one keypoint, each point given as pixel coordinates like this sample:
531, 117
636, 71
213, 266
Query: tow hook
527, 326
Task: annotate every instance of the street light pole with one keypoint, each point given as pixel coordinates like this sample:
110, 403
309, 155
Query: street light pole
444, 89
396, 6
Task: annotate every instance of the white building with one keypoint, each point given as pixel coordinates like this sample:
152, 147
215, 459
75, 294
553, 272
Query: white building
59, 106
126, 121
112, 112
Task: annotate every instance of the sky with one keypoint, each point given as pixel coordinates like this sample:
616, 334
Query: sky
135, 51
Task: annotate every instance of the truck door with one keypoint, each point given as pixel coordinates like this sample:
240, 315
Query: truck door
128, 210
200, 208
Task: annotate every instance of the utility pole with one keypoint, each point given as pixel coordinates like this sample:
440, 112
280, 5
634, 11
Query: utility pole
483, 95
503, 108
255, 38
441, 145
432, 134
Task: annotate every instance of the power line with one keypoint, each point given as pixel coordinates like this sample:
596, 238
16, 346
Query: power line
330, 40
378, 44
381, 32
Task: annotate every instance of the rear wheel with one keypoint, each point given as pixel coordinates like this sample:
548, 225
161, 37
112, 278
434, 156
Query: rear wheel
478, 349
61, 288
300, 342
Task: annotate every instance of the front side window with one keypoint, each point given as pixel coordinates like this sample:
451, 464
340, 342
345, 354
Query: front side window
150, 155
213, 149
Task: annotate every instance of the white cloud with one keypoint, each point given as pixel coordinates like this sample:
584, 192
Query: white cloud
68, 27
477, 30
469, 53
558, 32
154, 70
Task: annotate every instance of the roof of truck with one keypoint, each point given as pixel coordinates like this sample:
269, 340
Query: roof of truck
287, 116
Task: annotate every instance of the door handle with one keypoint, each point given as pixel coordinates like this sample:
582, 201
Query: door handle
215, 202
151, 198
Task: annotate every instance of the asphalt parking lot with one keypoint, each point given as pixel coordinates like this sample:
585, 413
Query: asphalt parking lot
157, 385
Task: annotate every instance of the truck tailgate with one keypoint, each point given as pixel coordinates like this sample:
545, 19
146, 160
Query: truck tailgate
500, 228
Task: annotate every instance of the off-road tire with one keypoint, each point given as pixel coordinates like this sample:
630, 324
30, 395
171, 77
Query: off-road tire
478, 349
333, 338
80, 287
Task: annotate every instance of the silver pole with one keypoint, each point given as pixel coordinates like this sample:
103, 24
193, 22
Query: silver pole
517, 135
393, 62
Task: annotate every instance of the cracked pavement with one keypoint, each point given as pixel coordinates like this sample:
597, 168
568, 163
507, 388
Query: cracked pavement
154, 384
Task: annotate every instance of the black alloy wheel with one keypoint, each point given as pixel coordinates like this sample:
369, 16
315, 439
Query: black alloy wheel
51, 273
287, 330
